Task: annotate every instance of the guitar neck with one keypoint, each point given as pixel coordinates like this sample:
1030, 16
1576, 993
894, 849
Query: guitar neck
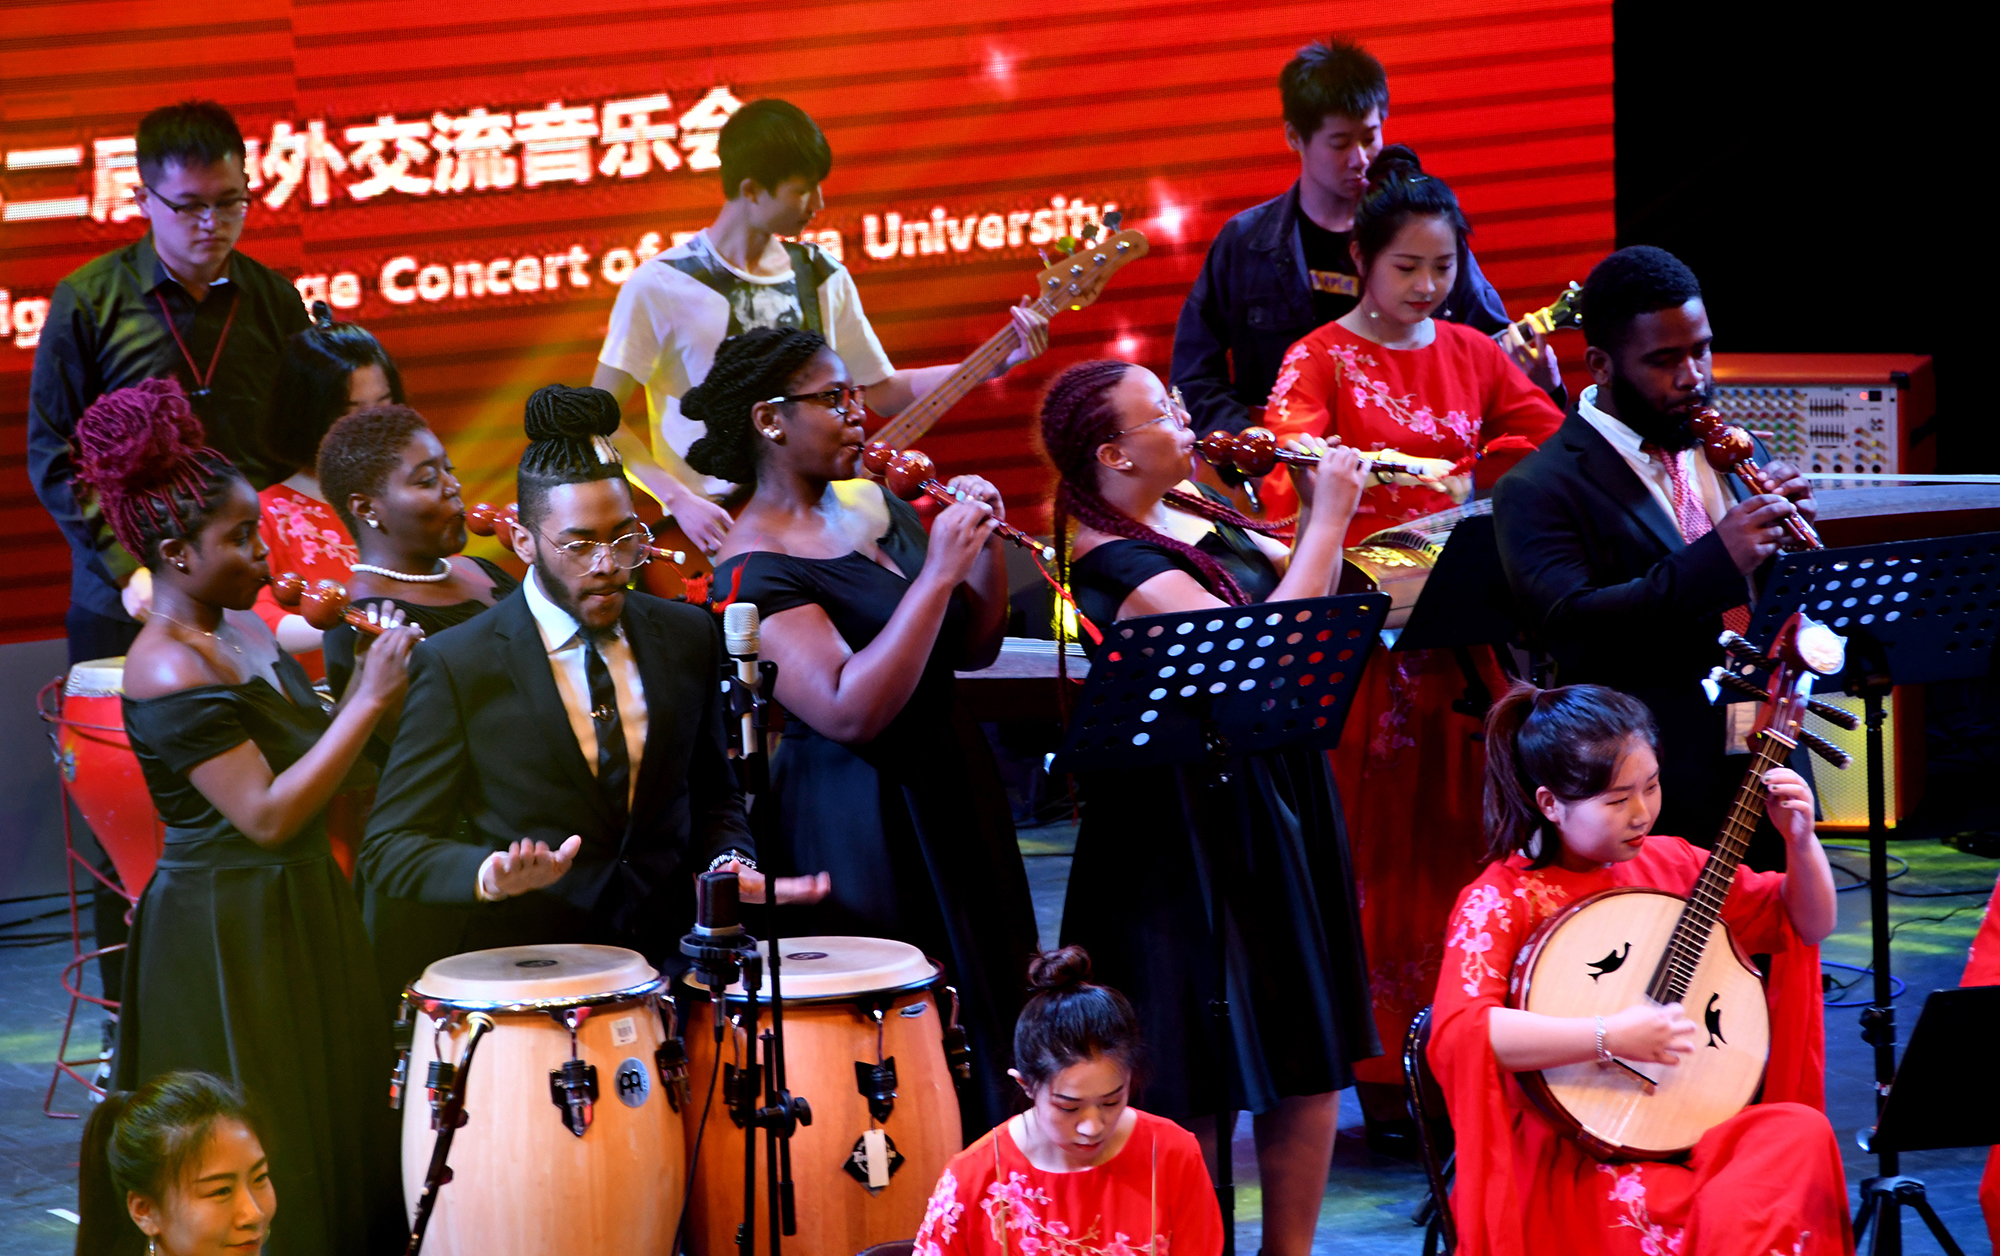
920, 415
1704, 906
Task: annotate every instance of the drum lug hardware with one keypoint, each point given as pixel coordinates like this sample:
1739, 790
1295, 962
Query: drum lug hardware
438, 1084
401, 1037
739, 1091
671, 1058
877, 1084
957, 1048
573, 1089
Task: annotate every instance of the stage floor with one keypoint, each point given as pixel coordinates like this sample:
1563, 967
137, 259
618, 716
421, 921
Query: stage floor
1370, 1198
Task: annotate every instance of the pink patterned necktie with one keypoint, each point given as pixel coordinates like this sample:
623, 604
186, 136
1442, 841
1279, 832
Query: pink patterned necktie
1692, 518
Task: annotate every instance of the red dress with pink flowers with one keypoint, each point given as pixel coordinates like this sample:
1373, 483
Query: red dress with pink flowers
307, 537
1153, 1198
1410, 773
1766, 1182
1982, 968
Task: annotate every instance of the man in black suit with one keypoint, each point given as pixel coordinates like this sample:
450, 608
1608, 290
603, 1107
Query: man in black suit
572, 707
1625, 550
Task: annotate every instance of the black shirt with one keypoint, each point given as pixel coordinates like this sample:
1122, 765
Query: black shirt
1330, 274
106, 331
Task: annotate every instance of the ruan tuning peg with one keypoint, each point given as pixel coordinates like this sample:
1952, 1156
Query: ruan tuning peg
1825, 749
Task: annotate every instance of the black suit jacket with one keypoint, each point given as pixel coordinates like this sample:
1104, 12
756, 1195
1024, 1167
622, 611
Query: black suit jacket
1602, 579
485, 756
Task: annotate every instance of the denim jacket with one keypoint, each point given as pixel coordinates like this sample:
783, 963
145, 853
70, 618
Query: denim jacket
1251, 303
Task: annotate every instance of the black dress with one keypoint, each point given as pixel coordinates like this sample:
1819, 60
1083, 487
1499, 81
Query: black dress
1139, 898
914, 826
250, 963
339, 640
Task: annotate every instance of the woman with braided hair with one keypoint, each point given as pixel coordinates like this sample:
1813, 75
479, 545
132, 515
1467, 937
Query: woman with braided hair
882, 779
247, 957
1296, 981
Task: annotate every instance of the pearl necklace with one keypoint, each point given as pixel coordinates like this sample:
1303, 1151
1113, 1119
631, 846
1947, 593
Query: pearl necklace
444, 573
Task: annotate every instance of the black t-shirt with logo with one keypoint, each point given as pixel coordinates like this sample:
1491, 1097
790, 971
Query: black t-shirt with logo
1329, 270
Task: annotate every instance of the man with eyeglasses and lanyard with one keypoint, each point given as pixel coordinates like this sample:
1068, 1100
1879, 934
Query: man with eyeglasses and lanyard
560, 771
180, 301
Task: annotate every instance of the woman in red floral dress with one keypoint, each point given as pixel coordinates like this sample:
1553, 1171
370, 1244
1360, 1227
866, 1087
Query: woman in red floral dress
1390, 376
330, 369
1081, 1172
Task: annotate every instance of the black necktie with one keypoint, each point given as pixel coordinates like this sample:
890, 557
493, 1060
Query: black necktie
614, 764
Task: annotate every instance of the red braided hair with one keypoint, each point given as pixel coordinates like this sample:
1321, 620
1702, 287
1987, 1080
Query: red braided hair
1077, 417
140, 451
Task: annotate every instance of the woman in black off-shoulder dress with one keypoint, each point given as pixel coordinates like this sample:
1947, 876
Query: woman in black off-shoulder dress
247, 957
881, 779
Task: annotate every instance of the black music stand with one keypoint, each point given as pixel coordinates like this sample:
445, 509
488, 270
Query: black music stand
1912, 612
1204, 689
1464, 603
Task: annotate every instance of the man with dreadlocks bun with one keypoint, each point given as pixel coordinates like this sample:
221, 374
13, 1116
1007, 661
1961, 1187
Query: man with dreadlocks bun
1298, 986
882, 779
559, 774
247, 956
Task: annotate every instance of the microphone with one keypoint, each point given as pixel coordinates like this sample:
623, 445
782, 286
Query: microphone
718, 944
740, 640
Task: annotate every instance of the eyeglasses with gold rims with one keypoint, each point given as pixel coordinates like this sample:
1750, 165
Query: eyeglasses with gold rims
627, 552
1176, 413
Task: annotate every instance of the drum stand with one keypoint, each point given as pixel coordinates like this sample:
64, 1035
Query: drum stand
1896, 603
1205, 690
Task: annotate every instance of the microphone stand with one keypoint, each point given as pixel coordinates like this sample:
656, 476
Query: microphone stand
446, 1120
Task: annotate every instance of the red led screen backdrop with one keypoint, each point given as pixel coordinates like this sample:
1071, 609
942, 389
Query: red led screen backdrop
473, 182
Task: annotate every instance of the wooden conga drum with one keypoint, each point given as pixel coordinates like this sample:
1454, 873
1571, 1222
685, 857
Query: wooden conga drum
533, 1172
847, 1002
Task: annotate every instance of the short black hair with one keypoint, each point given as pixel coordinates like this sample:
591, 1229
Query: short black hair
1399, 190
1637, 280
312, 385
1328, 78
569, 442
361, 451
191, 133
768, 142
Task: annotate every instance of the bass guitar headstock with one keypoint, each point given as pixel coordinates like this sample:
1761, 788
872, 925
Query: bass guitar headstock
1079, 278
1802, 650
1565, 311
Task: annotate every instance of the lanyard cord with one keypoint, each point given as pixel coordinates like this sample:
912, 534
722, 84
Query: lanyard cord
201, 381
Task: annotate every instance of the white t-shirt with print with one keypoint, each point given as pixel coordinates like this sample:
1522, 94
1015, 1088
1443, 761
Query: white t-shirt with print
668, 323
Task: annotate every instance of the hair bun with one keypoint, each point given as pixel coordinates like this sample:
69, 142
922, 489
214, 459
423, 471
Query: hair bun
136, 438
1065, 969
1396, 159
694, 404
558, 412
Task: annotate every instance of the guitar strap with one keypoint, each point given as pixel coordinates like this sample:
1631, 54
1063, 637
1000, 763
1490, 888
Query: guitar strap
810, 269
806, 274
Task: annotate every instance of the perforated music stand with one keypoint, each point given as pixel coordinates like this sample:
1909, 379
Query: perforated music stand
1465, 603
1912, 612
1204, 689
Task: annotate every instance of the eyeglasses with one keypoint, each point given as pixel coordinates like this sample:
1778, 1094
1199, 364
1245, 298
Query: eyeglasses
842, 399
194, 211
1176, 414
628, 551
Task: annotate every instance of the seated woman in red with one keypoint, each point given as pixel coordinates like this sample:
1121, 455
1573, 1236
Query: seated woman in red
1982, 968
1572, 788
1081, 1171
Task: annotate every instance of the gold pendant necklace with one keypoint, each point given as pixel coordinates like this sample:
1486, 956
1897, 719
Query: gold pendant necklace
203, 631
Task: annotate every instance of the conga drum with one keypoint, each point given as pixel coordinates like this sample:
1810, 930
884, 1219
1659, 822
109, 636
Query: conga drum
853, 1007
540, 1166
101, 772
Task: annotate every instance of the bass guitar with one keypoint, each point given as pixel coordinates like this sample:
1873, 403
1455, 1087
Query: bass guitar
1606, 952
1068, 283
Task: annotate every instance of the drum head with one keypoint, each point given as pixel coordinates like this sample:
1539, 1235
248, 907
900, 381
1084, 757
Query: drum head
98, 678
831, 968
517, 975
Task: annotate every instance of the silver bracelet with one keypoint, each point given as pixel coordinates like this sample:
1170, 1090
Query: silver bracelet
1603, 1052
731, 857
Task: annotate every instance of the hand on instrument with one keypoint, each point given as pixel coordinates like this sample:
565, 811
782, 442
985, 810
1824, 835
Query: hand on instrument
978, 489
382, 664
1650, 1033
1752, 529
525, 866
1789, 803
751, 885
704, 522
137, 595
1031, 331
1332, 489
1790, 483
957, 536
1536, 358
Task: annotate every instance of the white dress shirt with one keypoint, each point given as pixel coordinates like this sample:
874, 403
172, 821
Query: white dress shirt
1650, 470
564, 640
